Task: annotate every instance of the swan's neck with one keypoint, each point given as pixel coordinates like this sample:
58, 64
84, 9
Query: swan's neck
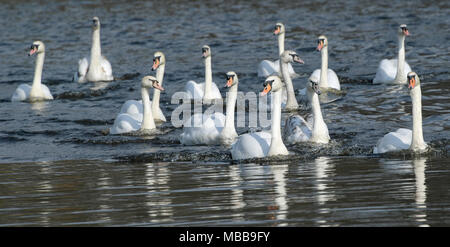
280, 43
147, 121
400, 77
157, 93
417, 142
277, 146
320, 129
291, 102
231, 104
324, 68
36, 89
208, 78
96, 49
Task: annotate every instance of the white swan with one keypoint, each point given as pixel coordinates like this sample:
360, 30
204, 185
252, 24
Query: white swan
394, 70
125, 123
207, 90
263, 144
98, 67
405, 138
297, 129
328, 78
286, 58
266, 67
37, 91
212, 129
135, 108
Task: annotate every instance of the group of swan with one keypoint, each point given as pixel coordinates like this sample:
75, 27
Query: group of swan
217, 128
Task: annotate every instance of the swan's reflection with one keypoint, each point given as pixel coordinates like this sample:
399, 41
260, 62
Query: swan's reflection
45, 186
104, 182
421, 196
279, 172
158, 203
39, 106
324, 169
100, 85
237, 194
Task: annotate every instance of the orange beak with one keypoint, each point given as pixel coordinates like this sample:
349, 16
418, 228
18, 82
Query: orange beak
157, 86
32, 51
277, 31
229, 82
320, 45
406, 32
155, 64
266, 90
412, 83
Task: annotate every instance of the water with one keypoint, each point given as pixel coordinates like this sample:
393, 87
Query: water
59, 168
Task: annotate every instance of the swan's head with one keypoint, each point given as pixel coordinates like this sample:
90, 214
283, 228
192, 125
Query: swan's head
313, 85
272, 84
279, 29
413, 80
36, 48
206, 51
290, 56
151, 82
158, 60
322, 42
232, 79
95, 23
403, 30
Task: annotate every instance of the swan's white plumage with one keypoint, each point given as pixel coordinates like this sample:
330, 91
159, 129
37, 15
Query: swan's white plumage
104, 74
22, 93
97, 67
394, 141
36, 91
263, 144
333, 80
135, 108
196, 90
387, 70
297, 129
125, 123
251, 145
203, 129
267, 68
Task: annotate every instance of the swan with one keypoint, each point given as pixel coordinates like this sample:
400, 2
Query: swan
286, 58
394, 70
214, 128
263, 144
125, 123
98, 67
266, 67
134, 107
328, 78
37, 91
405, 138
207, 90
297, 129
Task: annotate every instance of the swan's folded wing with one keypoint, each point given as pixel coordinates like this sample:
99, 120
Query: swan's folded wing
297, 130
194, 90
22, 92
106, 67
386, 71
394, 141
267, 68
83, 65
47, 94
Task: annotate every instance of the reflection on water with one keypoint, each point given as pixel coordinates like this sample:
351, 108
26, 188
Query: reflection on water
159, 204
324, 174
421, 189
279, 173
324, 192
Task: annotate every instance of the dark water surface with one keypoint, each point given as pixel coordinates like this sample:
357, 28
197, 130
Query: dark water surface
58, 168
